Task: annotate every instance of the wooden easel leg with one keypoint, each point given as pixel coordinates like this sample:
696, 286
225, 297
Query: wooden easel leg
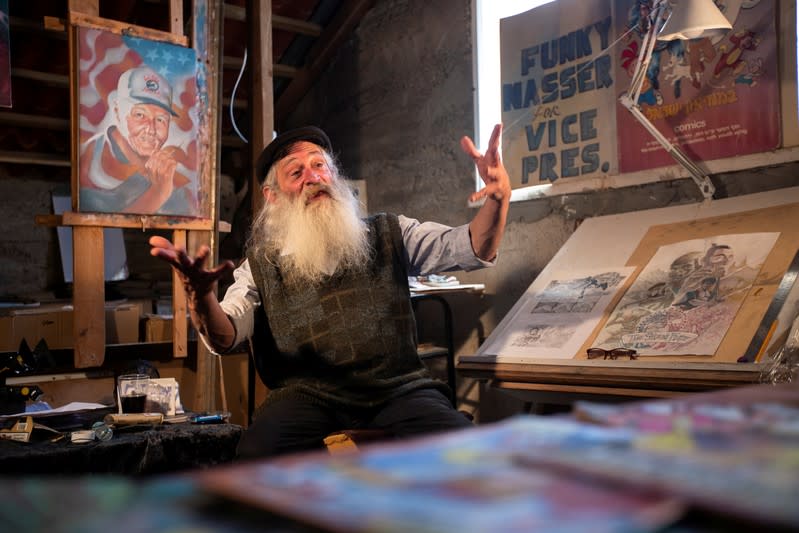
88, 296
208, 384
180, 335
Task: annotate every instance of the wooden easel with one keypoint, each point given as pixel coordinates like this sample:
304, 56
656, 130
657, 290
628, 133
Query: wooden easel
88, 253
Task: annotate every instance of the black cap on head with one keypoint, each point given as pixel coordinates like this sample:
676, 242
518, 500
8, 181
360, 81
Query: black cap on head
276, 149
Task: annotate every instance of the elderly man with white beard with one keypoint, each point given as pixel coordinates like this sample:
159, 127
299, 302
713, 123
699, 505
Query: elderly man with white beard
324, 296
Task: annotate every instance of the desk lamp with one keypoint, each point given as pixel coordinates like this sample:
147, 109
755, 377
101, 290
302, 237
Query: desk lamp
687, 19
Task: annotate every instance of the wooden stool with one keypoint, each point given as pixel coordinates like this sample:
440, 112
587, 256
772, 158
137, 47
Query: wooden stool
347, 441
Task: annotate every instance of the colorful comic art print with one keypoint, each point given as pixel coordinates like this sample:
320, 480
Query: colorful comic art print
714, 97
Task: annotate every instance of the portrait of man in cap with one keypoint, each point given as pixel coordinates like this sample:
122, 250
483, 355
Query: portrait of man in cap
138, 159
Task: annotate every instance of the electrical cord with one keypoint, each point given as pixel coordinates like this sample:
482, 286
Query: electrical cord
233, 97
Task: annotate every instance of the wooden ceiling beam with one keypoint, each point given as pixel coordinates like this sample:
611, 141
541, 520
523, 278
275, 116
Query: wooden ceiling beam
337, 31
57, 80
33, 158
34, 121
302, 27
278, 70
278, 22
238, 103
23, 24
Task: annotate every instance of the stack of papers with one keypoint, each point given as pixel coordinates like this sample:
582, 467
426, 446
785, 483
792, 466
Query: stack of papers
436, 282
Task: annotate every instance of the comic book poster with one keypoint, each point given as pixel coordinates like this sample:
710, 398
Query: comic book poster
714, 97
138, 109
558, 93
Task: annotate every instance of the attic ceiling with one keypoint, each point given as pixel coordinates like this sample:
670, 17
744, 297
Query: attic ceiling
36, 129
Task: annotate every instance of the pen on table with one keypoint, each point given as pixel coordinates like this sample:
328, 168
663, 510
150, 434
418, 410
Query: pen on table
766, 341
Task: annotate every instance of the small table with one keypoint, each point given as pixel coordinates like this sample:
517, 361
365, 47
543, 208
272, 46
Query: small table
131, 451
427, 351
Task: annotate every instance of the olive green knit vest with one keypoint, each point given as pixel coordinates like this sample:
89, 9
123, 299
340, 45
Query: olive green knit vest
350, 340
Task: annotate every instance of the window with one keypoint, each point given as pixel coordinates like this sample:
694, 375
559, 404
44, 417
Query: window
487, 74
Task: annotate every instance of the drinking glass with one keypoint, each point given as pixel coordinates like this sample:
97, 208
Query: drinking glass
133, 392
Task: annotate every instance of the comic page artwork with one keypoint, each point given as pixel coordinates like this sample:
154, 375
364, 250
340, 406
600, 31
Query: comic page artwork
467, 481
556, 321
686, 297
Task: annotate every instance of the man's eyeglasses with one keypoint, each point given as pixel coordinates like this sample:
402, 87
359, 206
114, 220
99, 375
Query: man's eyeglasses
615, 353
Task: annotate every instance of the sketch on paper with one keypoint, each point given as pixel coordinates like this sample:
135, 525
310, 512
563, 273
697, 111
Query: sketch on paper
544, 335
138, 107
576, 295
685, 299
554, 322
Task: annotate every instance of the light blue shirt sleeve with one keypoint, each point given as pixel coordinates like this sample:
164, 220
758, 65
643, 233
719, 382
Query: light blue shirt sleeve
431, 248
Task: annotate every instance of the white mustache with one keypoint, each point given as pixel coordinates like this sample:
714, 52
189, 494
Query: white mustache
313, 189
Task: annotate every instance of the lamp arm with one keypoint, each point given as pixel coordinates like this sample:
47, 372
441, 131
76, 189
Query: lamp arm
647, 48
702, 181
630, 101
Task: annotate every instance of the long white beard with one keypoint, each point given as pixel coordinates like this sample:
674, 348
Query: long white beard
315, 240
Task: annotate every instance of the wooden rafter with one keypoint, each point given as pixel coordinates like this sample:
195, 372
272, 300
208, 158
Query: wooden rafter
278, 22
336, 32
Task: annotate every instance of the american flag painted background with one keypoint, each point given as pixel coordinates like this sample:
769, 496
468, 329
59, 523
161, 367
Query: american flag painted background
104, 56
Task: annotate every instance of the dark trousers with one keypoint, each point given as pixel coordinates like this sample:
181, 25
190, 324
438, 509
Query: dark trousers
298, 423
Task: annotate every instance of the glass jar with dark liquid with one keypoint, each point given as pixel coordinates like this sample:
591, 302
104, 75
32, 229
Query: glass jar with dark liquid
132, 390
133, 403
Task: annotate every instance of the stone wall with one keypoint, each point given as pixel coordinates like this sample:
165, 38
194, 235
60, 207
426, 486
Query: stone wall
396, 100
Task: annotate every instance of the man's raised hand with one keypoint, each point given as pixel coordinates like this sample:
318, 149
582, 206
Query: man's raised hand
490, 167
197, 279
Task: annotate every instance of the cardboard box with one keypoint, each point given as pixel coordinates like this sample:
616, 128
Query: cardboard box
158, 328
122, 323
54, 323
33, 324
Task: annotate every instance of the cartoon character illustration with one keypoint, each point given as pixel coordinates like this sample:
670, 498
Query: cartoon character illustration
700, 52
676, 71
731, 58
629, 60
639, 20
754, 69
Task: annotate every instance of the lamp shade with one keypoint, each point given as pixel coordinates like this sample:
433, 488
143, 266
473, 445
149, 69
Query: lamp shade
691, 19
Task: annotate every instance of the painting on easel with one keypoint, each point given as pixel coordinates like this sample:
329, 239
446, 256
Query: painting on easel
138, 110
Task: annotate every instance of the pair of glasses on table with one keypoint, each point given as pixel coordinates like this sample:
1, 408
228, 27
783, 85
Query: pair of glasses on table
615, 353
